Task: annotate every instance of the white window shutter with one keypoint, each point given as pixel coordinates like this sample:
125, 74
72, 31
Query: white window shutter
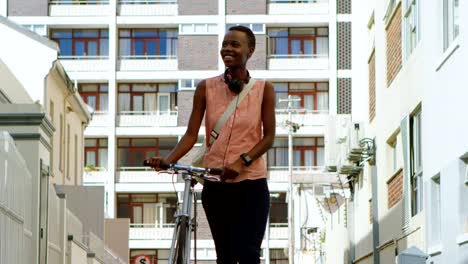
405, 138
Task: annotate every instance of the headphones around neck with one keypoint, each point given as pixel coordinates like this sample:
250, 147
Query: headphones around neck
235, 85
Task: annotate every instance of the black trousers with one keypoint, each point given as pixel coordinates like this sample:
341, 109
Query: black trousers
237, 214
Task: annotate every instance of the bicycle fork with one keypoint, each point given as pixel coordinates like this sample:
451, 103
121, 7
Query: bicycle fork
183, 223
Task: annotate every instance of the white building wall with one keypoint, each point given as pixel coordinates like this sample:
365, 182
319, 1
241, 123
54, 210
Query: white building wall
445, 128
27, 57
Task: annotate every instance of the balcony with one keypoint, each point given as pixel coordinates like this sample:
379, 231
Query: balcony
79, 8
148, 63
85, 63
279, 231
304, 7
99, 119
303, 118
147, 119
280, 174
157, 231
98, 176
298, 62
142, 175
148, 8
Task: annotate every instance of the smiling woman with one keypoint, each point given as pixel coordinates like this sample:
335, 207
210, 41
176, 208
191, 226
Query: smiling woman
236, 208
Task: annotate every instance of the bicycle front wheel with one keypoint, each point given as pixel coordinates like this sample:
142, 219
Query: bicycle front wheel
180, 250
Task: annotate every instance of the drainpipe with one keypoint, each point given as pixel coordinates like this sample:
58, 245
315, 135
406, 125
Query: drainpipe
375, 216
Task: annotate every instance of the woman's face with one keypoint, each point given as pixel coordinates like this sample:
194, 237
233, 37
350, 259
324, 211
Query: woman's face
235, 49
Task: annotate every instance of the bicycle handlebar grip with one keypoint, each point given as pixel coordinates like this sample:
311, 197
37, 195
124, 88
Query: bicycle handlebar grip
216, 171
164, 165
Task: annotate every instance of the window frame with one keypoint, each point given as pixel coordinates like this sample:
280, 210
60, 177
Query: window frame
416, 181
102, 34
172, 96
158, 38
302, 150
313, 37
100, 92
411, 24
131, 204
301, 93
450, 34
97, 146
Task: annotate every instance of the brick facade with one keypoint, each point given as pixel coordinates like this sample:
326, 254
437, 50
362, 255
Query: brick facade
395, 189
184, 107
28, 7
372, 87
394, 56
258, 60
198, 53
246, 7
198, 7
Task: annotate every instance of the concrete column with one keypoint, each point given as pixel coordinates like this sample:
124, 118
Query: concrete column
111, 147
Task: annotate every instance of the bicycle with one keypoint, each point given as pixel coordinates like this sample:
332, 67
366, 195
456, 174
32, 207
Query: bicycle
184, 225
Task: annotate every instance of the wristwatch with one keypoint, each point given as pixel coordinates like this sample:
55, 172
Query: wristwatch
246, 159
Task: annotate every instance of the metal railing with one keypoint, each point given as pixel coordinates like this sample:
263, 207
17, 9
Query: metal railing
297, 168
148, 57
142, 175
152, 225
297, 56
146, 2
148, 118
78, 2
83, 57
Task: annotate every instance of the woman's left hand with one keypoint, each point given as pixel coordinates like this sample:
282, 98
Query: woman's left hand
232, 170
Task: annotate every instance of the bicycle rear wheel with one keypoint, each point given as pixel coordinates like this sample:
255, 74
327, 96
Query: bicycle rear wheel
180, 250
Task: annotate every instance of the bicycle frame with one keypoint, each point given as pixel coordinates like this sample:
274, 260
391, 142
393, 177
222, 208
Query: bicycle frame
185, 212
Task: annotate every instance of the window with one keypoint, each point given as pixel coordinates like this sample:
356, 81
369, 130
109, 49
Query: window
188, 84
147, 210
278, 256
82, 43
395, 155
68, 151
298, 42
198, 29
76, 154
416, 164
435, 229
411, 26
95, 95
451, 21
313, 96
148, 43
307, 152
60, 130
147, 98
96, 152
132, 151
278, 209
256, 28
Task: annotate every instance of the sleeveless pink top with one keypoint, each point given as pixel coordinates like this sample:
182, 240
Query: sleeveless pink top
241, 132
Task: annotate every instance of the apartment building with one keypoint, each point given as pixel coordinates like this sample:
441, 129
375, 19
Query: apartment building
137, 63
408, 168
43, 216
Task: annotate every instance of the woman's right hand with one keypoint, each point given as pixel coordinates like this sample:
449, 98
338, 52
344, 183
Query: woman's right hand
154, 162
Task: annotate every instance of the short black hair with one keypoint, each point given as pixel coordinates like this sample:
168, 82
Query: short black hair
248, 32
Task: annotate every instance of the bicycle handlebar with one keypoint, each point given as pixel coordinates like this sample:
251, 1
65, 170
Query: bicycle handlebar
191, 170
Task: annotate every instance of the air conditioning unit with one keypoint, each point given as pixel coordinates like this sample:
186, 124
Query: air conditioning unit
412, 255
336, 135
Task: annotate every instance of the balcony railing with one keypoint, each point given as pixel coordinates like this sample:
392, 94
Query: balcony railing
147, 118
97, 176
148, 63
298, 62
142, 175
148, 8
156, 231
85, 63
303, 117
280, 173
279, 231
290, 7
99, 119
79, 7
